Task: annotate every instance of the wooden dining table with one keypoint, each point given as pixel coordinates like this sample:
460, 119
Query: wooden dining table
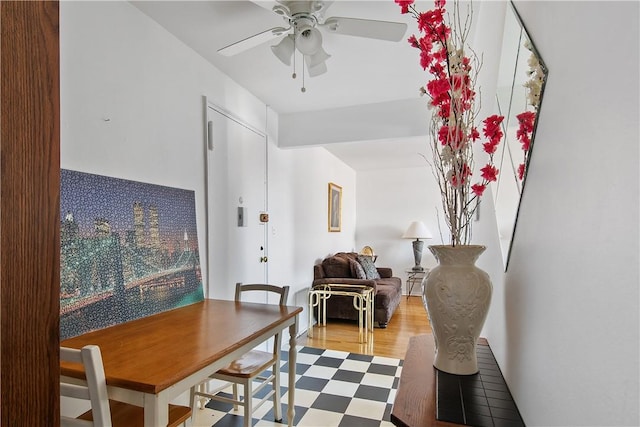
150, 361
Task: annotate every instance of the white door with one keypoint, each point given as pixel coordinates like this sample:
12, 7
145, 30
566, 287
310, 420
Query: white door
237, 237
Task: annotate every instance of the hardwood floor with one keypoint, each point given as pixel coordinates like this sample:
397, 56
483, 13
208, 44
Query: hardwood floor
410, 319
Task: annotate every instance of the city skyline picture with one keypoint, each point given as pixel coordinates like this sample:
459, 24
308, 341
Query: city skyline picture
127, 250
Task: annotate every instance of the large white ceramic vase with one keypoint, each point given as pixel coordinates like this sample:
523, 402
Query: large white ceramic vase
457, 295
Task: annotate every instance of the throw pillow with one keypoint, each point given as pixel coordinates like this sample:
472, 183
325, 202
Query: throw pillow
356, 269
369, 267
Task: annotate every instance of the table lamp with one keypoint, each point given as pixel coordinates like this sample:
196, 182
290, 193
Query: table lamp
417, 230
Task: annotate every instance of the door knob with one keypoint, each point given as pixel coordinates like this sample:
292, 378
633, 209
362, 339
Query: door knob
263, 259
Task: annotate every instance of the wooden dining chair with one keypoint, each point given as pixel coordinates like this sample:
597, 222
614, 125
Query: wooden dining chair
104, 412
252, 366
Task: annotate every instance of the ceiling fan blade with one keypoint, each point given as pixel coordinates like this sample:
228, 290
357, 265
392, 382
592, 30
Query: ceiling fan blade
252, 41
382, 30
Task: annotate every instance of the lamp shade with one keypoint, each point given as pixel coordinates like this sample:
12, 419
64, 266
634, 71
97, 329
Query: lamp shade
284, 49
316, 59
417, 230
308, 40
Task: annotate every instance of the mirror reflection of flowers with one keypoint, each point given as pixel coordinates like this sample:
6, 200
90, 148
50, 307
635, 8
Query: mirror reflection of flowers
452, 94
527, 119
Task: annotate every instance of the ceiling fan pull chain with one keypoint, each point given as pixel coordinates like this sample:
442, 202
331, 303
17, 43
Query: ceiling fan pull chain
303, 89
295, 29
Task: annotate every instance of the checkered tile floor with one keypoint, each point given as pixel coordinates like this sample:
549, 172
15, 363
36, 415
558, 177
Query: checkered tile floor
333, 389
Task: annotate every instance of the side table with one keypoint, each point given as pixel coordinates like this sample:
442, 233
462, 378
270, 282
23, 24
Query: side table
414, 277
363, 302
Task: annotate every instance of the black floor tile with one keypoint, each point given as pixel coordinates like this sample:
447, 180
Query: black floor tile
310, 383
351, 421
360, 357
375, 368
368, 392
348, 376
331, 402
311, 350
330, 362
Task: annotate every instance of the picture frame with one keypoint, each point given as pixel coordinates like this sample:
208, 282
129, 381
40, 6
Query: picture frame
335, 207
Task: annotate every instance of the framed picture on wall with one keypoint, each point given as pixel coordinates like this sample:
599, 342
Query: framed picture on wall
335, 207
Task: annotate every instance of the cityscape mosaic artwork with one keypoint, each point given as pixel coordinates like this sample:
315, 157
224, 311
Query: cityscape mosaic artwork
127, 250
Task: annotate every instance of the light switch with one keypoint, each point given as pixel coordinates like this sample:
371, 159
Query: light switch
242, 216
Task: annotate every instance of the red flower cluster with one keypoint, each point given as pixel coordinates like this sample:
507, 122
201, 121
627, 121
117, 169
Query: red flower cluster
493, 132
526, 121
524, 132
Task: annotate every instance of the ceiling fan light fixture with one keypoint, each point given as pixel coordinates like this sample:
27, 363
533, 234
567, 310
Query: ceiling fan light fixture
320, 68
319, 57
308, 40
284, 50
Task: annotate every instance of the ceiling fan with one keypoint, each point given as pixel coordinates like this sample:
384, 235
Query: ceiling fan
304, 19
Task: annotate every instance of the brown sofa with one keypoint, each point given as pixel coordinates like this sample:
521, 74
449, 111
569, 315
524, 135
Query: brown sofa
340, 269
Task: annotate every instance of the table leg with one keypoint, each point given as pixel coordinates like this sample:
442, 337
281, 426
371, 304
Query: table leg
291, 411
156, 410
310, 324
373, 308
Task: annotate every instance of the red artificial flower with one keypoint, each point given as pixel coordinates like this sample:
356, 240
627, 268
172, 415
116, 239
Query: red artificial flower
492, 126
478, 189
442, 134
440, 3
489, 172
444, 109
430, 21
490, 147
525, 129
521, 171
404, 4
437, 69
413, 41
524, 139
474, 135
526, 120
438, 89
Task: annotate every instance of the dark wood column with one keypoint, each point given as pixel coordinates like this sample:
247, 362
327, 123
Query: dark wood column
29, 213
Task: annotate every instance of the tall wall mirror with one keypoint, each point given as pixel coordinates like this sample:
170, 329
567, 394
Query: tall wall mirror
521, 80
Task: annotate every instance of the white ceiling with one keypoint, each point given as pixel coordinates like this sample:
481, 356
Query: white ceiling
360, 71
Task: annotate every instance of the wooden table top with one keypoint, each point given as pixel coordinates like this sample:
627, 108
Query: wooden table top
152, 353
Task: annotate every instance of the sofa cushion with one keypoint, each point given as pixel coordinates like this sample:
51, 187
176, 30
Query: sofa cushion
336, 266
369, 267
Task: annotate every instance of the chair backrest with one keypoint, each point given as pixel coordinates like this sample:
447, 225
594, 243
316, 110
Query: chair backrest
94, 391
283, 291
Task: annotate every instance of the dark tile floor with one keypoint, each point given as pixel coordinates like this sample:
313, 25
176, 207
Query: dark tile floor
479, 400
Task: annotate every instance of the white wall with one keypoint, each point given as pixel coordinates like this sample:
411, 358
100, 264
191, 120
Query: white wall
388, 201
298, 204
564, 325
132, 107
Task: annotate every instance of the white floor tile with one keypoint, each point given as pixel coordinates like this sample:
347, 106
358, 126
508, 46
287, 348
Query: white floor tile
366, 409
377, 380
341, 388
319, 418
